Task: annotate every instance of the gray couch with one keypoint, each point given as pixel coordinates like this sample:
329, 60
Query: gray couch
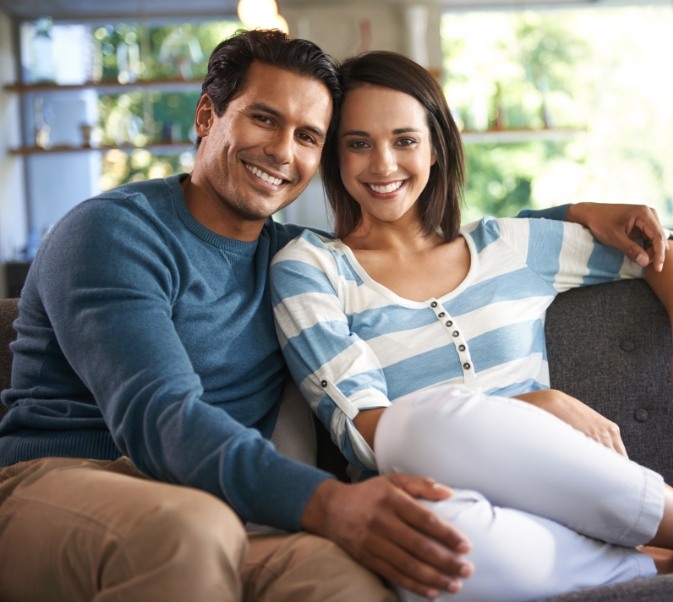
609, 345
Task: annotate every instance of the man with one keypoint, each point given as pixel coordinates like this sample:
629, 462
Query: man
147, 378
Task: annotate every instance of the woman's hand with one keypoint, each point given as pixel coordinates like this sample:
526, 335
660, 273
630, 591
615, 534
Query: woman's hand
621, 226
578, 415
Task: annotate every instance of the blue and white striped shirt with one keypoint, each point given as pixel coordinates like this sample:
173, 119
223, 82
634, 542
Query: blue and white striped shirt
353, 344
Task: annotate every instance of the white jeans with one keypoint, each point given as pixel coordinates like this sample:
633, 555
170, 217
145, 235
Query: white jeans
547, 509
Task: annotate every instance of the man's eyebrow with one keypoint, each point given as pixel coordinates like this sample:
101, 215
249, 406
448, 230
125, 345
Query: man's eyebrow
262, 106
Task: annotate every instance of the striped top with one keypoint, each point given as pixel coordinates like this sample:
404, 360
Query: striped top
353, 344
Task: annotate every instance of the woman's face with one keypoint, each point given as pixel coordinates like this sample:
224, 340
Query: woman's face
385, 152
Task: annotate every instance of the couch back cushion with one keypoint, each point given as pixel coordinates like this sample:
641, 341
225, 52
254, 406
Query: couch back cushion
8, 313
610, 346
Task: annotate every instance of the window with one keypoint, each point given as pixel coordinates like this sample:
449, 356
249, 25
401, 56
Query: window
563, 105
106, 103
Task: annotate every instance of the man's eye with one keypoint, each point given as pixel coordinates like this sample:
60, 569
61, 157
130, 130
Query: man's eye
307, 138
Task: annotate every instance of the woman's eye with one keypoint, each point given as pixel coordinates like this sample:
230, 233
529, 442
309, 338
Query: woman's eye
406, 141
357, 144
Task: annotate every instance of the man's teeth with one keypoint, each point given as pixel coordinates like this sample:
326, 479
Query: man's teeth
387, 188
262, 175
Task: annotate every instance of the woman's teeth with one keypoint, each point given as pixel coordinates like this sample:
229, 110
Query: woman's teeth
387, 188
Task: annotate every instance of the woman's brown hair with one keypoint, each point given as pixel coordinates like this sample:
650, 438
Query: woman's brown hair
439, 203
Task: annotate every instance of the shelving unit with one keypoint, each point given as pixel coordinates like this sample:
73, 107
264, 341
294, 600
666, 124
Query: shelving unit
504, 136
105, 87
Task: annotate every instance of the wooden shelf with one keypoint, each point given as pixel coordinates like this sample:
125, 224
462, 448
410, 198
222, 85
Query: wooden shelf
109, 86
518, 135
157, 147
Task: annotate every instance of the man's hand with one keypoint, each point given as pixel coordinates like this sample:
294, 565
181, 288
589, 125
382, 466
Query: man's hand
578, 415
620, 225
381, 525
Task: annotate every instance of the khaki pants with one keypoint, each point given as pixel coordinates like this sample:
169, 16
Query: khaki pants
82, 530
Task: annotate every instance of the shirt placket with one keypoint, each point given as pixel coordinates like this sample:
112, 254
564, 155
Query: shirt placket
450, 325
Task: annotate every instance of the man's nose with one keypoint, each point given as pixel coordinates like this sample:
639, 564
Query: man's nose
280, 147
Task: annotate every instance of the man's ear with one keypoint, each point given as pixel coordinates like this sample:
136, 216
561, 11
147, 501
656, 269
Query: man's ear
203, 116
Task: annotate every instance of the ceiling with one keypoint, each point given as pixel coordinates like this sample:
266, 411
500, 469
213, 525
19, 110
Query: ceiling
83, 9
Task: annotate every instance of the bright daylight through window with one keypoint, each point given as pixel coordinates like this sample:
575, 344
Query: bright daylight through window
563, 105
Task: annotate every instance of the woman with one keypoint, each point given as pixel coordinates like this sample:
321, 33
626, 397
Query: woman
410, 338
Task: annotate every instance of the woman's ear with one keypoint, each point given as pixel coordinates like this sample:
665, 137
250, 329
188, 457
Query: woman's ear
204, 116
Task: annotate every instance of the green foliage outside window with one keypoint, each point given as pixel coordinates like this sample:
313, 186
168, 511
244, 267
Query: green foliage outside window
587, 72
146, 116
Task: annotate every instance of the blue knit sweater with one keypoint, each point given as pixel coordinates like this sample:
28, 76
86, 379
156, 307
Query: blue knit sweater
145, 334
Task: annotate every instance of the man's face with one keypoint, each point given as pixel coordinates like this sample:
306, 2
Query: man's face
261, 153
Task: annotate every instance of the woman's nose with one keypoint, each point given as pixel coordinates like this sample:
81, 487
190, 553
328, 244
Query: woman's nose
383, 161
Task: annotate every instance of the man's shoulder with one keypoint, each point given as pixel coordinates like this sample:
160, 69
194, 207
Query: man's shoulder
308, 243
286, 233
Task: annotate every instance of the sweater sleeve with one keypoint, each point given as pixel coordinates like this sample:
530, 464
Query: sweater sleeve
109, 291
336, 371
559, 213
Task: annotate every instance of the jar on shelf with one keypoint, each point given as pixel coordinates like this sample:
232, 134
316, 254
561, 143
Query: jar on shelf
42, 68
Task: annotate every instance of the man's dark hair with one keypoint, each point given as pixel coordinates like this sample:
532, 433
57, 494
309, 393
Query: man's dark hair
439, 203
231, 59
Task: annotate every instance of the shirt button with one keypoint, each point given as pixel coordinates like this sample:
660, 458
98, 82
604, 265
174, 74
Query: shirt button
449, 323
467, 366
441, 314
433, 304
461, 347
323, 383
455, 333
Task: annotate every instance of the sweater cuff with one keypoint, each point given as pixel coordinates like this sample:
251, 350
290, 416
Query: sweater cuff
559, 213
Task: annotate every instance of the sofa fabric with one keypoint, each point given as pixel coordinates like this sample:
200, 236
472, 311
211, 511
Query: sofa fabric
608, 345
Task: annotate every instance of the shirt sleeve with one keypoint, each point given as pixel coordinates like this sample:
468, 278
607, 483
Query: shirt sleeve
336, 371
566, 254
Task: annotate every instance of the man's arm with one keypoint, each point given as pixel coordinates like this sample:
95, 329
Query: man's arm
622, 226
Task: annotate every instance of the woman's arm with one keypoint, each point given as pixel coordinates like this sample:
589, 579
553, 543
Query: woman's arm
616, 225
336, 371
578, 415
633, 229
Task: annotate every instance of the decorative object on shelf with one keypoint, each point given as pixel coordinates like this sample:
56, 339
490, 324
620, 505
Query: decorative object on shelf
42, 68
42, 128
86, 130
128, 62
261, 13
182, 50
